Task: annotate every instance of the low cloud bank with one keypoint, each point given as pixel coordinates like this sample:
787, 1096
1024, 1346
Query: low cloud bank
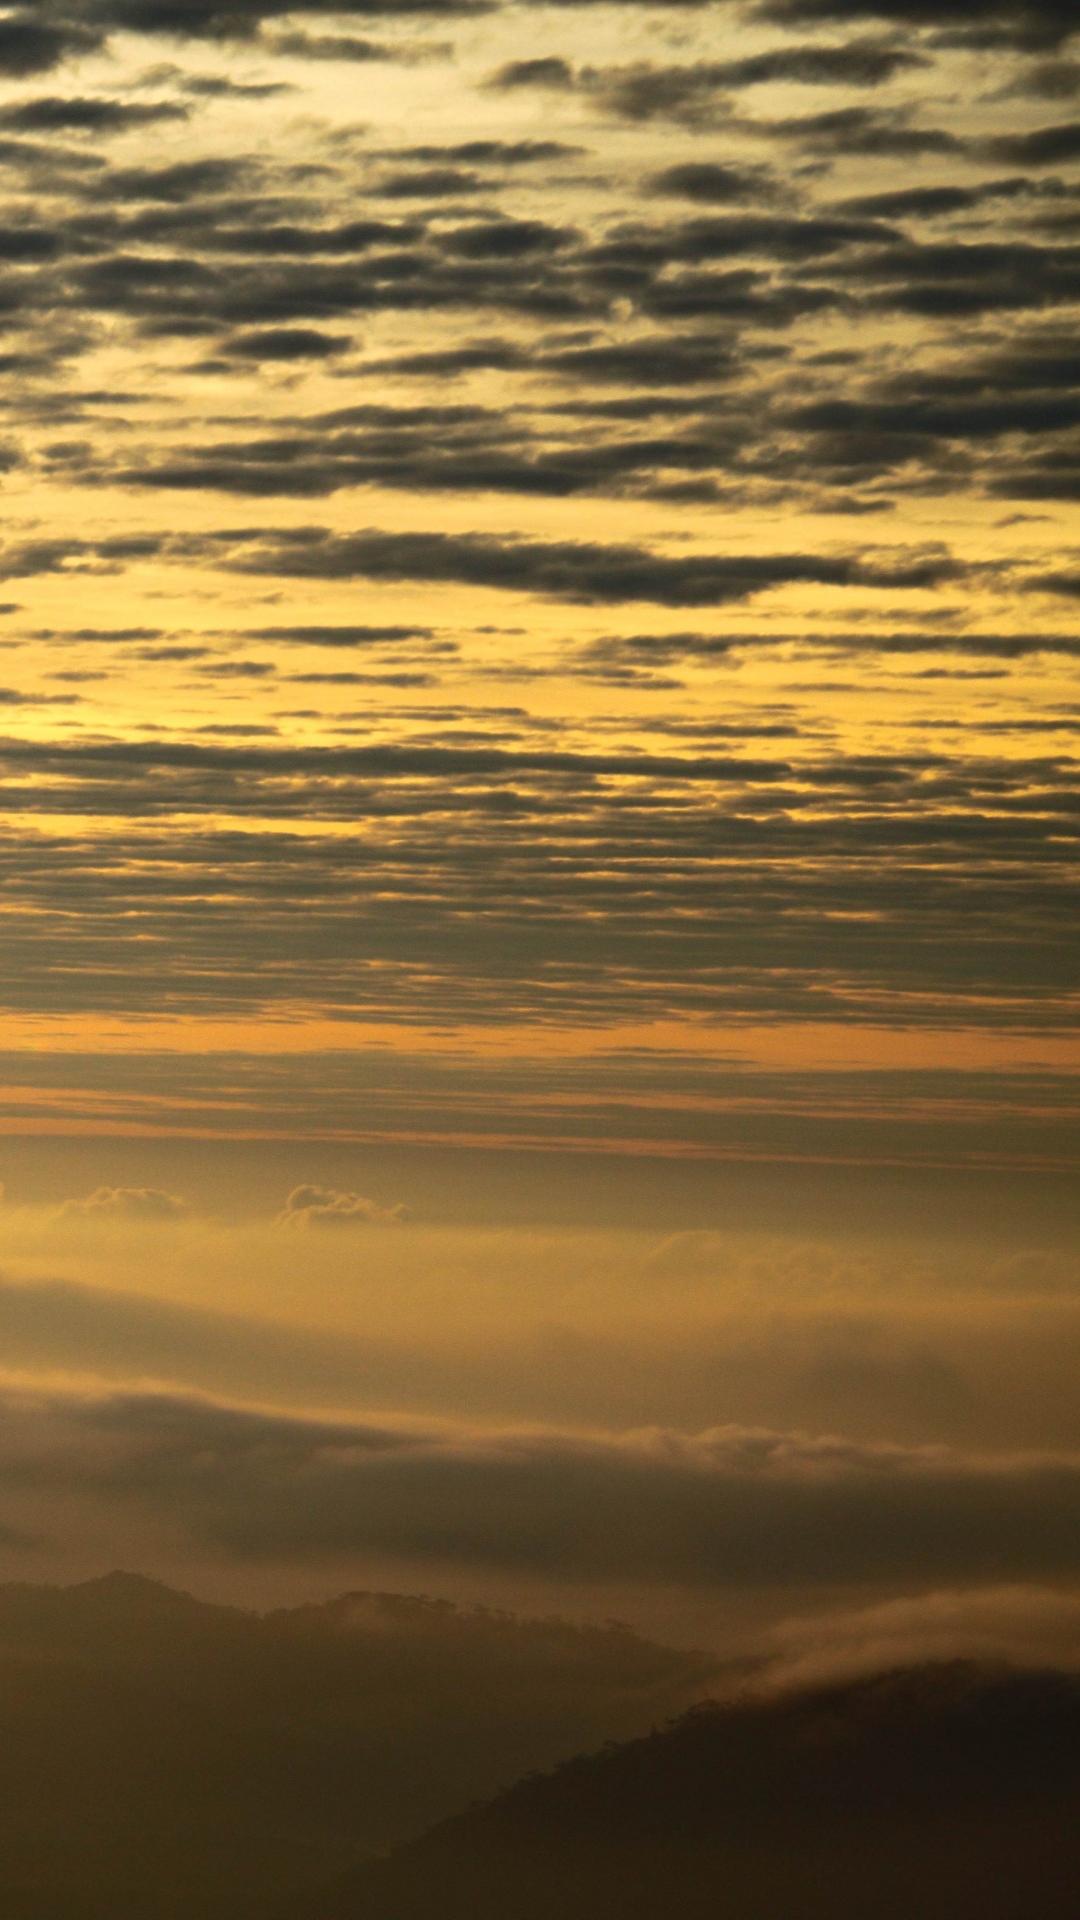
1026, 1625
729, 1509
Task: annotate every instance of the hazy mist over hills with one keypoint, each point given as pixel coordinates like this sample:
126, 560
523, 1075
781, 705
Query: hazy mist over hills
161, 1755
932, 1794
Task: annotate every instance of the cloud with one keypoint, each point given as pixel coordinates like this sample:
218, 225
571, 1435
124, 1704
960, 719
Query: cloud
550, 71
733, 1507
354, 50
343, 636
218, 86
710, 183
494, 153
284, 343
224, 20
1041, 147
887, 850
49, 115
978, 24
928, 203
327, 1207
887, 133
176, 184
433, 183
655, 356
1045, 80
859, 63
31, 45
1023, 1624
127, 1203
587, 573
696, 95
1065, 584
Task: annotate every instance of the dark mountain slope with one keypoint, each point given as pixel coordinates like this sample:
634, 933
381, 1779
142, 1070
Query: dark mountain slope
162, 1756
944, 1793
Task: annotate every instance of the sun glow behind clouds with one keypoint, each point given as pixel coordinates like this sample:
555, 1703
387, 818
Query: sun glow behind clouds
538, 670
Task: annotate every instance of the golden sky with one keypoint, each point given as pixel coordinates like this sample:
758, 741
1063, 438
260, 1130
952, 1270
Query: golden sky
539, 688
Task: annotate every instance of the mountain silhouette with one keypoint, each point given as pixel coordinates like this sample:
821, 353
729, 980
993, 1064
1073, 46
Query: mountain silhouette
162, 1755
943, 1793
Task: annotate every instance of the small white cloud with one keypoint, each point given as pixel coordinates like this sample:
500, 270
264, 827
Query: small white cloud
128, 1203
327, 1207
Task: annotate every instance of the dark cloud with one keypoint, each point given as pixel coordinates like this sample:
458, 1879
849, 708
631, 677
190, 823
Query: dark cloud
337, 46
218, 86
351, 48
1006, 646
954, 418
505, 239
468, 448
494, 153
855, 130
1046, 80
180, 182
928, 203
697, 97
1067, 584
19, 244
582, 571
15, 697
31, 45
283, 240
696, 94
706, 181
672, 359
729, 236
340, 636
979, 24
392, 678
861, 63
276, 275
1042, 147
239, 19
957, 278
471, 357
430, 183
49, 115
284, 343
108, 635
587, 573
551, 71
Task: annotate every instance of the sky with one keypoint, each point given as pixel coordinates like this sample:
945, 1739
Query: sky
538, 725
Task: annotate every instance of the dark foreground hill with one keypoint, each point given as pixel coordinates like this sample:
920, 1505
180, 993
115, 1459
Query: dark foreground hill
164, 1757
945, 1793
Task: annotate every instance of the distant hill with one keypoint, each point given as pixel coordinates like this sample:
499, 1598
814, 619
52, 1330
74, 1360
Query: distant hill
943, 1793
162, 1756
